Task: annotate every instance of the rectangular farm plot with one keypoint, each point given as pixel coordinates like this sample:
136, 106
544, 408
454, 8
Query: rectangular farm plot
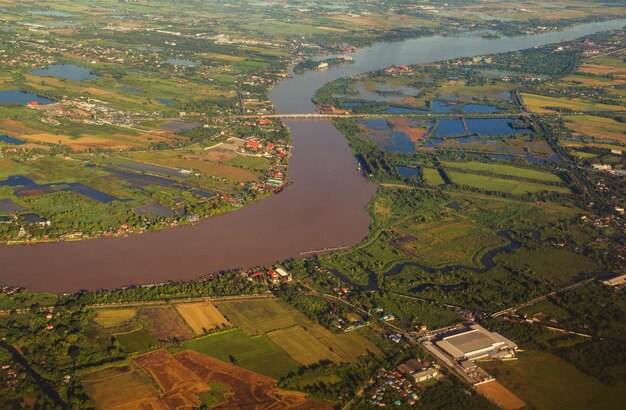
260, 316
124, 386
257, 353
503, 185
114, 317
202, 317
505, 170
303, 346
166, 324
500, 395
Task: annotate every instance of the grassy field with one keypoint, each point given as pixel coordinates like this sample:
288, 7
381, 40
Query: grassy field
136, 341
596, 127
505, 170
256, 317
303, 346
202, 317
538, 103
431, 176
556, 265
119, 386
502, 184
546, 382
448, 240
114, 317
257, 353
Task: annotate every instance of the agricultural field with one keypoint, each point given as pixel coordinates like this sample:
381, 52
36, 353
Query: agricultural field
166, 324
544, 381
515, 187
202, 317
504, 170
303, 346
187, 379
544, 104
500, 395
431, 176
597, 128
108, 318
258, 317
256, 353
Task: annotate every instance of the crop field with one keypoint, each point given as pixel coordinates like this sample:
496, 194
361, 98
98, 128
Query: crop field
256, 353
538, 103
431, 176
202, 317
250, 390
257, 317
303, 346
166, 324
446, 241
505, 170
503, 185
136, 341
545, 381
121, 388
597, 127
187, 380
114, 317
500, 395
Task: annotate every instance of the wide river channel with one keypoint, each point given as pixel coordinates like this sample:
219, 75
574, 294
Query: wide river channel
325, 207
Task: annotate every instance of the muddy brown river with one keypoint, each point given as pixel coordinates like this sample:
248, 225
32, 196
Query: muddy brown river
325, 207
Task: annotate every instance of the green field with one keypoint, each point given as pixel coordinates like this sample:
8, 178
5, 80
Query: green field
503, 185
257, 353
303, 346
556, 265
136, 341
547, 382
257, 317
505, 170
431, 176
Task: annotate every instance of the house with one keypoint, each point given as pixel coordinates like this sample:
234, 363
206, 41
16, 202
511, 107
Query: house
254, 145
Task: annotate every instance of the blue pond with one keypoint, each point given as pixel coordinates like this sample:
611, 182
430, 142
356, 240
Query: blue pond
398, 109
409, 172
131, 90
66, 72
449, 128
164, 101
375, 125
22, 181
398, 142
479, 108
180, 62
11, 140
22, 97
493, 126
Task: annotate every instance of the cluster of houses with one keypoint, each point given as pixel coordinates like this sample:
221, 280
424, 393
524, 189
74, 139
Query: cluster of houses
400, 387
275, 276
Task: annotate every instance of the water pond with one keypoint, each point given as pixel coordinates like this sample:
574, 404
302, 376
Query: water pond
66, 72
409, 172
449, 128
22, 97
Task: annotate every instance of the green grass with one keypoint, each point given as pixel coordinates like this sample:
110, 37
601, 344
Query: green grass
137, 341
547, 382
502, 185
257, 317
249, 162
505, 170
556, 265
215, 396
258, 353
431, 176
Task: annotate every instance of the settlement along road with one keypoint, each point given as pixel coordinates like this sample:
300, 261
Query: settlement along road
325, 207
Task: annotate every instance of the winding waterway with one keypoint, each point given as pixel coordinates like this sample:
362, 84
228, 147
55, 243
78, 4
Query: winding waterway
325, 207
